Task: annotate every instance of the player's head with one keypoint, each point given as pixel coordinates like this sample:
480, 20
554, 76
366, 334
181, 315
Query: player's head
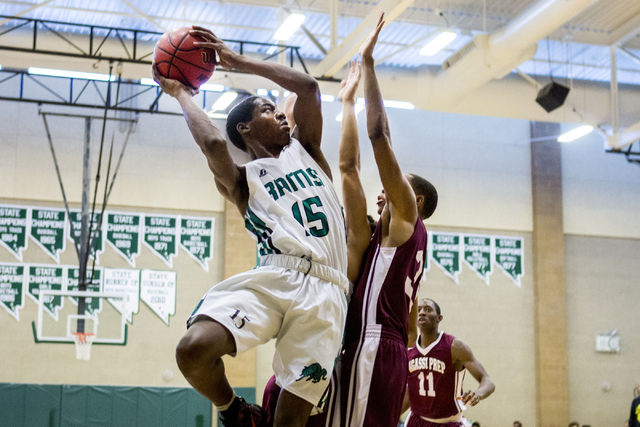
429, 315
517, 424
574, 424
426, 195
256, 120
475, 424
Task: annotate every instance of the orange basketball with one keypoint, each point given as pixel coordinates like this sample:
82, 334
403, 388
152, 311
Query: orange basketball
177, 58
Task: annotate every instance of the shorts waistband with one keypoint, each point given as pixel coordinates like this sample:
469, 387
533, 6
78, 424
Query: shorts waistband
309, 267
374, 331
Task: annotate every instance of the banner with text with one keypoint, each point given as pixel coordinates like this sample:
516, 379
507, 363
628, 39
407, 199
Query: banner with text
446, 253
509, 255
49, 278
123, 234
161, 236
47, 230
12, 280
196, 237
126, 282
158, 291
94, 284
14, 225
477, 255
97, 235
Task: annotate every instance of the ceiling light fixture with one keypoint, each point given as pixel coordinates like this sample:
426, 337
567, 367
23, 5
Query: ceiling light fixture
289, 26
70, 74
576, 133
438, 43
224, 101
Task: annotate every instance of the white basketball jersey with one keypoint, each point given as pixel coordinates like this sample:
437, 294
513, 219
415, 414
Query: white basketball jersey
293, 208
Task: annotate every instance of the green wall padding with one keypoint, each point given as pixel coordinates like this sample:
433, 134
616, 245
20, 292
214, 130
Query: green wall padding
103, 406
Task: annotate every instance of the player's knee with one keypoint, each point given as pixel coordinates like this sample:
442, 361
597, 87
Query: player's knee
204, 344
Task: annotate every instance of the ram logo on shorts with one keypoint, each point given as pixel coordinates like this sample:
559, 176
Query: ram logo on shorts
315, 372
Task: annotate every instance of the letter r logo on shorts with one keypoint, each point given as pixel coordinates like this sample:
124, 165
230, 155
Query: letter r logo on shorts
239, 321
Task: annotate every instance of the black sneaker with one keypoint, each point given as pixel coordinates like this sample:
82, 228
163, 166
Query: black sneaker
249, 415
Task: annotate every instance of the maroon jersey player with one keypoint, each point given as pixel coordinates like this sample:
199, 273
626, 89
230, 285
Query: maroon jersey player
371, 373
437, 365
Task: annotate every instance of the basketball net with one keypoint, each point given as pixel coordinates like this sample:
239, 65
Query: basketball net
83, 345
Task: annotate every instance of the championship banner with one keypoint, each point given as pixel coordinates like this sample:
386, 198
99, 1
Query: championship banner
158, 291
97, 236
94, 284
196, 237
14, 229
49, 278
161, 236
446, 253
477, 255
47, 230
126, 282
123, 234
12, 288
509, 255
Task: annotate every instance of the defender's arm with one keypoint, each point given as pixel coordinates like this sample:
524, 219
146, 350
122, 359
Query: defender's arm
462, 353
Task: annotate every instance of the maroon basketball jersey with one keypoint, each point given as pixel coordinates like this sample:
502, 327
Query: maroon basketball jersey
434, 384
388, 285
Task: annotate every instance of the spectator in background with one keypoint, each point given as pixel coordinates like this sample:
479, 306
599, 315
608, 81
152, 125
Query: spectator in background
475, 424
517, 424
574, 424
634, 415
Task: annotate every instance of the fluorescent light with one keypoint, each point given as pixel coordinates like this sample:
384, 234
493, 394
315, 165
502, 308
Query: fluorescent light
263, 92
398, 104
575, 133
438, 43
211, 87
358, 107
275, 93
286, 93
69, 74
289, 26
0, 67
148, 82
215, 115
327, 98
224, 101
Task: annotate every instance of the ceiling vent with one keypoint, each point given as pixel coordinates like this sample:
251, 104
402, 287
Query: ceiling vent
456, 57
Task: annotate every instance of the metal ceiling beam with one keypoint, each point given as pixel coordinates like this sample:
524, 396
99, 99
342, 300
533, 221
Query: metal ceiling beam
627, 137
494, 56
626, 31
26, 11
341, 54
144, 15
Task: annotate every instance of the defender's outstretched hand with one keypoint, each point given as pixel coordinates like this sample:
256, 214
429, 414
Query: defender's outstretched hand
350, 86
366, 50
226, 56
169, 86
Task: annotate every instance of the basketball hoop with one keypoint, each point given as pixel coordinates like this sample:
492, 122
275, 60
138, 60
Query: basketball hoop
83, 345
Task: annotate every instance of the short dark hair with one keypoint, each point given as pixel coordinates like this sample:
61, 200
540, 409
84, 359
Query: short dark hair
517, 422
475, 424
424, 188
574, 423
241, 113
435, 304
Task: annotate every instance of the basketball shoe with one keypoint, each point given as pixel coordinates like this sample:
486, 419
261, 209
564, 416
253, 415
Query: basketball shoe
249, 415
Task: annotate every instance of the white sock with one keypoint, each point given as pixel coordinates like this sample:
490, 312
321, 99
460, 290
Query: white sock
225, 407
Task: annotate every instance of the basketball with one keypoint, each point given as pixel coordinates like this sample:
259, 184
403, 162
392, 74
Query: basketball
177, 58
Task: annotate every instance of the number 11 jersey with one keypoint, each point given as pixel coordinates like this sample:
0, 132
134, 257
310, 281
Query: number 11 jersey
293, 208
434, 384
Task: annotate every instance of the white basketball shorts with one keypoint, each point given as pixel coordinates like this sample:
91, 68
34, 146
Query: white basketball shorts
305, 314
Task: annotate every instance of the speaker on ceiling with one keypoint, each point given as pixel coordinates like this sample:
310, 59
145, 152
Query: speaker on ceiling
552, 96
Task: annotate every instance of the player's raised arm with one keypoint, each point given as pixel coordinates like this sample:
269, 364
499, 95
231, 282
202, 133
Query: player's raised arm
308, 107
396, 185
353, 198
230, 178
462, 353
